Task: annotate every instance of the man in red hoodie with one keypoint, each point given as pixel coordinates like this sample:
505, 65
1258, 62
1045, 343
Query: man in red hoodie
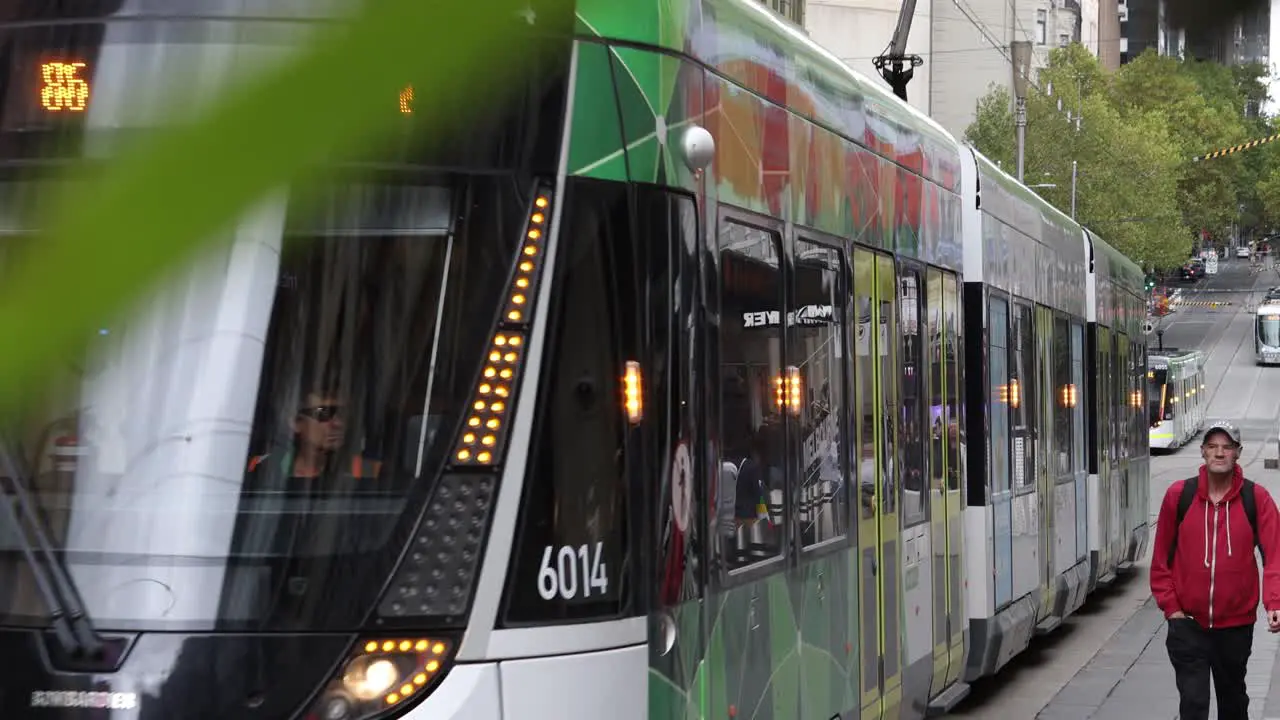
1204, 576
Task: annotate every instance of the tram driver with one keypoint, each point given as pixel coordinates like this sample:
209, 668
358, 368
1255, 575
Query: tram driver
318, 437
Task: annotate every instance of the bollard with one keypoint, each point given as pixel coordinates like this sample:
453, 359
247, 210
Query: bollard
1273, 463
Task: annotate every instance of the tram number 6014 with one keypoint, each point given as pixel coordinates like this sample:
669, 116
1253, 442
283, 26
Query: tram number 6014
563, 579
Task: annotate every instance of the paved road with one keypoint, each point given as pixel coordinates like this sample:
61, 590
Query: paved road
1109, 661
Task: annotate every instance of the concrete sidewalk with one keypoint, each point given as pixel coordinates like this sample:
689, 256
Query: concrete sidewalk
1131, 679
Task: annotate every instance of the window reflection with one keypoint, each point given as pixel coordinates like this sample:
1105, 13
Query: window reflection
935, 335
817, 336
865, 448
954, 353
752, 425
1022, 398
999, 401
914, 497
1067, 395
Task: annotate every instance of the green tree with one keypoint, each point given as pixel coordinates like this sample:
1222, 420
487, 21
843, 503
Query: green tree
1199, 107
1126, 163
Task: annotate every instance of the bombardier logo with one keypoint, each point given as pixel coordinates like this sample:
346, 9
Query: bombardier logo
82, 699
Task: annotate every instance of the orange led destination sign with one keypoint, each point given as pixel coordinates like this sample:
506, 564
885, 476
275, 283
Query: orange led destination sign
406, 100
63, 89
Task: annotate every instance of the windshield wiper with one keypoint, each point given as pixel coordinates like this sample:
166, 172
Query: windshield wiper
70, 620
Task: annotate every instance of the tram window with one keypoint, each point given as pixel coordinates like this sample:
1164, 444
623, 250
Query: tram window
954, 354
1140, 411
816, 344
997, 329
865, 343
1117, 388
1062, 413
891, 460
751, 391
1077, 411
1022, 399
914, 486
937, 371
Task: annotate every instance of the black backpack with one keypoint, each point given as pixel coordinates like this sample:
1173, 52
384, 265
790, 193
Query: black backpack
1189, 495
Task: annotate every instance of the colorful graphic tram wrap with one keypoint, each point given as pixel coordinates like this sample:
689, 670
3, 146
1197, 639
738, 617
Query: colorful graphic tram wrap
700, 378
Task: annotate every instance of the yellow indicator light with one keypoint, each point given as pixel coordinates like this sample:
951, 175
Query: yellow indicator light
541, 202
526, 266
437, 649
633, 392
538, 218
370, 646
793, 382
406, 100
432, 666
420, 679
483, 457
392, 699
514, 316
388, 646
406, 689
421, 646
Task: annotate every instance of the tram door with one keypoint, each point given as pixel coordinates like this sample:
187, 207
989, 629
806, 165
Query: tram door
953, 420
1102, 419
675, 432
945, 475
875, 377
1046, 459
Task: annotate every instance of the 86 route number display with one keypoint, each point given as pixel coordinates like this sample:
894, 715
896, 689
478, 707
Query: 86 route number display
572, 572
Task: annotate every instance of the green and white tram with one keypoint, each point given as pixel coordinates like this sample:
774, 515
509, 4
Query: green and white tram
1266, 334
682, 385
1176, 400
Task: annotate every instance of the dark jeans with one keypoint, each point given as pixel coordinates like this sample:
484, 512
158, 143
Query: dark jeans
1195, 652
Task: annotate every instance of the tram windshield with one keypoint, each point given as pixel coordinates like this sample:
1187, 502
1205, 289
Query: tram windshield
1269, 330
1158, 407
249, 448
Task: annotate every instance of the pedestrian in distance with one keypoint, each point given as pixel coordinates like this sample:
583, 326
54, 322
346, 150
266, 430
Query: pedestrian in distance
1204, 575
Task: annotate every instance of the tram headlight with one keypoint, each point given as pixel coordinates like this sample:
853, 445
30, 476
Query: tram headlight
381, 674
368, 677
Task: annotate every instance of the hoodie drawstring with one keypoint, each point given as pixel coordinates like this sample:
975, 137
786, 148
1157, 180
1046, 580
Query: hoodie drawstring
1206, 533
1228, 528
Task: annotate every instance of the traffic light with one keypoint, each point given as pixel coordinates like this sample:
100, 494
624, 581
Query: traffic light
1151, 283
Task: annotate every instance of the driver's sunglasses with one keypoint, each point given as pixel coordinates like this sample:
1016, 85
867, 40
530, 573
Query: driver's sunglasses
321, 413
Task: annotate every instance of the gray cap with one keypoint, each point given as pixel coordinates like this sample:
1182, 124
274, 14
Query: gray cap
1224, 426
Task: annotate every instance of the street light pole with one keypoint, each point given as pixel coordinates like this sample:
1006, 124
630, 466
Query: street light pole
1073, 189
1020, 50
